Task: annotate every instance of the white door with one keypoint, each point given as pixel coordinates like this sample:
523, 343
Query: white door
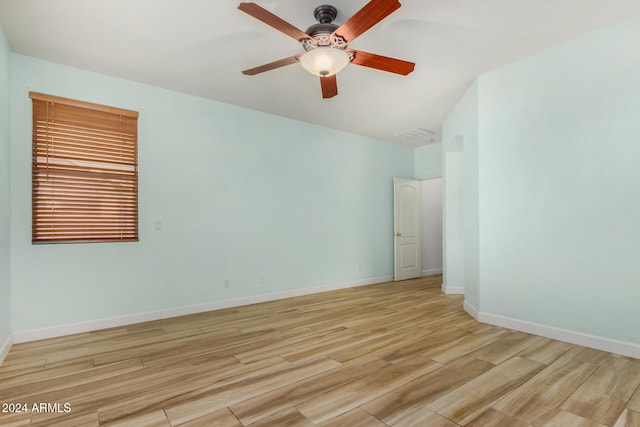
406, 218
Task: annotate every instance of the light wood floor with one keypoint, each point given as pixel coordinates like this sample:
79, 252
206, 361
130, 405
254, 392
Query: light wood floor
393, 354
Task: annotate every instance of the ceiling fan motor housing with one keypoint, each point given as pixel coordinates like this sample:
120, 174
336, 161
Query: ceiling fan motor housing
322, 31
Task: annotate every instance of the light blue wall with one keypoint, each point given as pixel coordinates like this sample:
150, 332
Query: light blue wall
461, 214
265, 202
428, 161
5, 257
559, 186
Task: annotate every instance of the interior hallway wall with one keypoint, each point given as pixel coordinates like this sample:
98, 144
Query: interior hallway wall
559, 184
552, 146
431, 226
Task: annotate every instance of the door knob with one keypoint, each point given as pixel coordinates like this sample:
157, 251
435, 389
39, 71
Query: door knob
398, 234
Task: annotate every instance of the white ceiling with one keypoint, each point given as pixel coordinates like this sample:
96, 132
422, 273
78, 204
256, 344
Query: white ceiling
201, 46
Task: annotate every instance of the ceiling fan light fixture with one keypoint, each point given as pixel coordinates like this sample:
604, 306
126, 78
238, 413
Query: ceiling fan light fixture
324, 61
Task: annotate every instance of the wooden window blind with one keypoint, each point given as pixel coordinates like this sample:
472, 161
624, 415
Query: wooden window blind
84, 171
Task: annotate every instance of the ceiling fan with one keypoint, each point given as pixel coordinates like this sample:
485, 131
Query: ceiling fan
325, 44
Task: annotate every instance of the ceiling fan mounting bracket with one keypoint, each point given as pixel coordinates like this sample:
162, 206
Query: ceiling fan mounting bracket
325, 14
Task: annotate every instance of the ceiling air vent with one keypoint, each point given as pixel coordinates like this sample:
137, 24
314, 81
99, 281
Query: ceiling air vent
416, 136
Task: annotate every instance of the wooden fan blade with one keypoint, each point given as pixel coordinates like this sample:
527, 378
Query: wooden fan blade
372, 13
380, 62
329, 86
274, 21
271, 65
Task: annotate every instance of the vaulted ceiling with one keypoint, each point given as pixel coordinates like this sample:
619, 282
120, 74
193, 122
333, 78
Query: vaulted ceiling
200, 47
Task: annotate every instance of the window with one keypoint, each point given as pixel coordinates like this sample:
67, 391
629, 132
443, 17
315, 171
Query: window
84, 172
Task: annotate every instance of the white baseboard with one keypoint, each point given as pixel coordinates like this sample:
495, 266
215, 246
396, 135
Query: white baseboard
111, 322
471, 310
432, 271
5, 347
453, 290
254, 299
88, 326
623, 348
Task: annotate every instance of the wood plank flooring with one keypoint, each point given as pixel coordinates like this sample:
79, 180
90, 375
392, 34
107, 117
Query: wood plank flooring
392, 354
